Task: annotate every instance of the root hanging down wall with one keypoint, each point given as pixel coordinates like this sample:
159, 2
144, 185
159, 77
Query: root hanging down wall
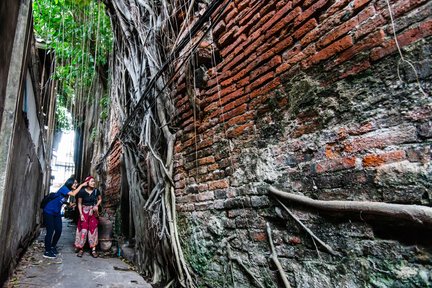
327, 99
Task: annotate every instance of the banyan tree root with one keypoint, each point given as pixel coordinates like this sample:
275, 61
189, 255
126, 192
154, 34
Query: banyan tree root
420, 215
240, 263
326, 247
275, 259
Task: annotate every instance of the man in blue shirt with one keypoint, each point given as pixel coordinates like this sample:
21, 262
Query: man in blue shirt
52, 216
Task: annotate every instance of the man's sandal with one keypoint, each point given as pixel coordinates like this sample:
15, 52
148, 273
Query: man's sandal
80, 253
94, 254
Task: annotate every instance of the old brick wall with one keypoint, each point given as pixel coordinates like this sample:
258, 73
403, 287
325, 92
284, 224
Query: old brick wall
306, 95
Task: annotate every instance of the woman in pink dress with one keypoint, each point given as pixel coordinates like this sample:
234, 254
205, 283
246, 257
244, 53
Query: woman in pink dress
88, 199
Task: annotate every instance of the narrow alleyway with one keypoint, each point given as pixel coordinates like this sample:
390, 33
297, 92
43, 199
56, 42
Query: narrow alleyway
67, 270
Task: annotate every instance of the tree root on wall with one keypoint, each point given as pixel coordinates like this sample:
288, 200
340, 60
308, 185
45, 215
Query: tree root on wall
326, 247
232, 258
240, 263
275, 259
416, 214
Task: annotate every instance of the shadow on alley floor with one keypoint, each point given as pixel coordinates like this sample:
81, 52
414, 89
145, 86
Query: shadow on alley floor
68, 270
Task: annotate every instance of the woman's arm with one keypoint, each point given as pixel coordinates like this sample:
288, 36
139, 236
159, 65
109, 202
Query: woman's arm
99, 201
80, 209
74, 192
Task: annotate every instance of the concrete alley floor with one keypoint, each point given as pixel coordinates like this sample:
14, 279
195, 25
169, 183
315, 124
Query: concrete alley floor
68, 270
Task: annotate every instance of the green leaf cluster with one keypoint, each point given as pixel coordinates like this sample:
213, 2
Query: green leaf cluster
63, 119
79, 31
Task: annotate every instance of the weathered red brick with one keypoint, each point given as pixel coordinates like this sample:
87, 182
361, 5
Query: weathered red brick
246, 15
331, 152
191, 198
309, 11
205, 196
211, 107
282, 68
241, 4
369, 26
400, 7
218, 184
282, 45
293, 15
329, 51
260, 81
366, 14
206, 160
405, 38
228, 38
336, 7
335, 165
230, 97
246, 28
239, 130
294, 240
374, 160
306, 128
306, 28
235, 112
419, 154
271, 5
240, 119
258, 236
232, 12
243, 82
236, 103
266, 88
210, 117
366, 44
204, 143
364, 128
276, 60
381, 140
239, 42
360, 3
244, 56
213, 167
337, 33
180, 184
240, 75
277, 16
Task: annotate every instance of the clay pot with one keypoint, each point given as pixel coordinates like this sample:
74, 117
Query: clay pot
105, 232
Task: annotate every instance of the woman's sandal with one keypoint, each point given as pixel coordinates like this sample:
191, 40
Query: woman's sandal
80, 253
94, 254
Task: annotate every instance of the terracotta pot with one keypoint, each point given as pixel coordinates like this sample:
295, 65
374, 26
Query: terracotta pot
105, 232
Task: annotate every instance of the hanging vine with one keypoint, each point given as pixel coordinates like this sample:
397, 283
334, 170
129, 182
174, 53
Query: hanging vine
79, 33
153, 40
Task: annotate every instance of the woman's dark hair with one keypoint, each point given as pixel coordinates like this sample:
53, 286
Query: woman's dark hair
69, 183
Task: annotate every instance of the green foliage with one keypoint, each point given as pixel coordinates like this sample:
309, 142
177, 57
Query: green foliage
93, 134
63, 119
80, 33
104, 104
